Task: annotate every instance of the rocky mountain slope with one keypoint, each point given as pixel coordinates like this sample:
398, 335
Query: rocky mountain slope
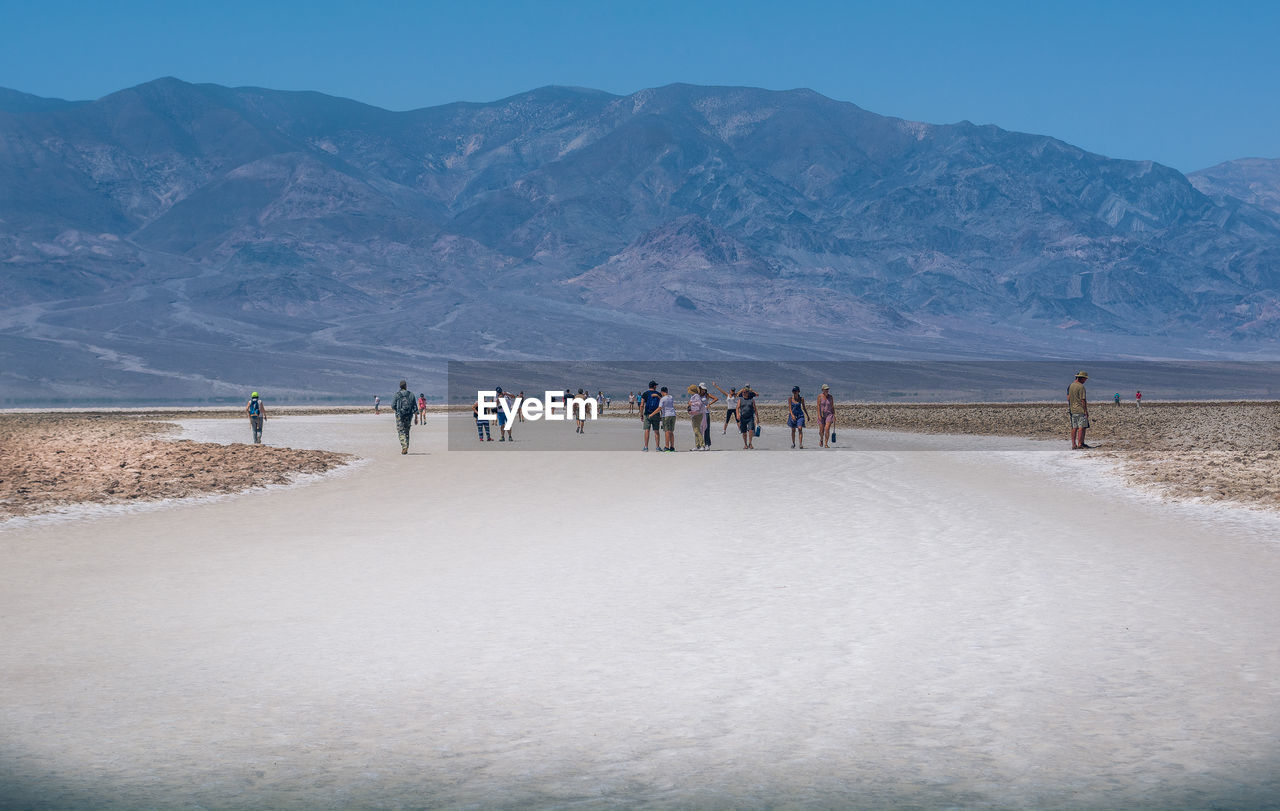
198, 238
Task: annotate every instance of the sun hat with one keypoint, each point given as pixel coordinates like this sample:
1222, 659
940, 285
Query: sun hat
693, 388
825, 387
1083, 374
702, 385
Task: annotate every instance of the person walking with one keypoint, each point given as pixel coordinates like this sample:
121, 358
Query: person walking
1078, 410
1137, 398
631, 402
377, 404
650, 415
826, 416
797, 415
694, 407
1117, 398
257, 415
730, 405
405, 407
421, 416
747, 417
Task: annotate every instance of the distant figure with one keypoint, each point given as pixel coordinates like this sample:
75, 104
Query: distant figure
377, 404
797, 414
580, 411
257, 414
1117, 398
650, 415
519, 402
513, 405
826, 416
730, 405
747, 417
421, 416
405, 408
482, 426
1078, 409
1137, 399
631, 403
708, 400
502, 415
695, 409
667, 405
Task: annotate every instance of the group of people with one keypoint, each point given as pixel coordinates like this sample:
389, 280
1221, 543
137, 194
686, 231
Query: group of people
657, 408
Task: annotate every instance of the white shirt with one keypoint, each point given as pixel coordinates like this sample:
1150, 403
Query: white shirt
695, 404
668, 405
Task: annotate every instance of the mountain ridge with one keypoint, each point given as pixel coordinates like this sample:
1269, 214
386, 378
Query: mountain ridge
197, 210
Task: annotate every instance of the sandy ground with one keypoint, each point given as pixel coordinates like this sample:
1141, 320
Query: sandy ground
50, 461
890, 627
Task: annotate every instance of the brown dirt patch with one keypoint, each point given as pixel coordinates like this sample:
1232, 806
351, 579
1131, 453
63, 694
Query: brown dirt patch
54, 460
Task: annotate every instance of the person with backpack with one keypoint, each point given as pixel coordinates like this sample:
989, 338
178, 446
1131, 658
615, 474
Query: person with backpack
404, 407
257, 415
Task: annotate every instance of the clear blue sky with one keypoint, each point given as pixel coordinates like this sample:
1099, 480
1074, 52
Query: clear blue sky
1187, 84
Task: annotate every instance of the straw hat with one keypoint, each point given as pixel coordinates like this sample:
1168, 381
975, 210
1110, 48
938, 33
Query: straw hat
1083, 374
825, 387
693, 388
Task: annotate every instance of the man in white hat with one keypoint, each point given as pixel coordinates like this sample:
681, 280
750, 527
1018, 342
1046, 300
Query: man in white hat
1078, 408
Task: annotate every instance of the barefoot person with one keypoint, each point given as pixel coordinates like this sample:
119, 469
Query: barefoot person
257, 414
747, 417
797, 415
421, 416
405, 407
826, 416
1078, 409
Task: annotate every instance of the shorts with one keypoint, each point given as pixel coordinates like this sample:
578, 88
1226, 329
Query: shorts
1079, 420
669, 423
502, 417
654, 422
795, 422
747, 424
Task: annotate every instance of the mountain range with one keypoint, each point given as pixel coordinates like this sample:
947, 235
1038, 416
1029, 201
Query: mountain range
180, 241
